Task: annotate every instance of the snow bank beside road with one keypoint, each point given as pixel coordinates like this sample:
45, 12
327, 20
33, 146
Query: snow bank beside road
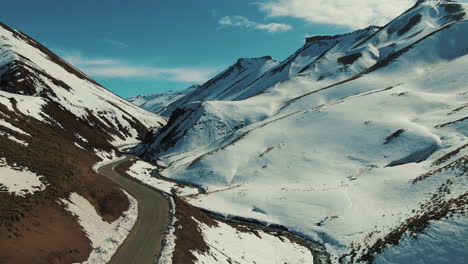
169, 242
105, 237
141, 171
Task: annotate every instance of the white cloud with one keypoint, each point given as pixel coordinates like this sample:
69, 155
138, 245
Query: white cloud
240, 21
172, 74
110, 68
352, 13
78, 60
274, 27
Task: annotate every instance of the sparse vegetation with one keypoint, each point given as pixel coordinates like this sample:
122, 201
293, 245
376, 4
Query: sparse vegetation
65, 168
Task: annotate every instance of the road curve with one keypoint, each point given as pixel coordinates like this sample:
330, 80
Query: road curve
143, 244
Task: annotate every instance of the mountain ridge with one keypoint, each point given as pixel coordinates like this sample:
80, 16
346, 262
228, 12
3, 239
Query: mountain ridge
362, 57
331, 142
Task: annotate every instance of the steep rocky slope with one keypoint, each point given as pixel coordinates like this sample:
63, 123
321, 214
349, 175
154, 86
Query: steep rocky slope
357, 141
55, 123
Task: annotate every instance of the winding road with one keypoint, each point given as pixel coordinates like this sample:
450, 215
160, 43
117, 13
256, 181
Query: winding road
143, 244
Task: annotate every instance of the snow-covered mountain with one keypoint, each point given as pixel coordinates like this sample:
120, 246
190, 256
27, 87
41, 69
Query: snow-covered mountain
55, 123
356, 141
42, 79
229, 84
158, 102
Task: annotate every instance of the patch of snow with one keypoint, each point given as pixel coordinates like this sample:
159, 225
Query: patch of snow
4, 100
142, 171
229, 245
78, 145
10, 137
11, 127
169, 243
106, 158
28, 105
105, 237
81, 138
19, 181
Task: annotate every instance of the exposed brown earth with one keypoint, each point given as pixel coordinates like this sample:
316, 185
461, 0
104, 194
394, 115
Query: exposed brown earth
34, 228
189, 237
48, 234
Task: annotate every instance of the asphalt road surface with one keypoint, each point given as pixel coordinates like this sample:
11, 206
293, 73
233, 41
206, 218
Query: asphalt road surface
143, 244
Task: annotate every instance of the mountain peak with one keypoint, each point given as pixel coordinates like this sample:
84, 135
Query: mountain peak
267, 58
193, 87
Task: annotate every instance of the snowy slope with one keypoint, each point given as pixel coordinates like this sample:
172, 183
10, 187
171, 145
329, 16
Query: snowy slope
366, 144
105, 237
229, 84
224, 87
225, 242
442, 242
157, 103
229, 245
325, 60
19, 181
30, 69
142, 171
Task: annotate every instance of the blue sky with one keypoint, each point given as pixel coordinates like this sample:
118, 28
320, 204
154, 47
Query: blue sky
149, 46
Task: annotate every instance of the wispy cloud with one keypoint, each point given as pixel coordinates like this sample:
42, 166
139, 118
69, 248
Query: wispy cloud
240, 21
80, 61
351, 13
274, 27
111, 68
171, 74
113, 43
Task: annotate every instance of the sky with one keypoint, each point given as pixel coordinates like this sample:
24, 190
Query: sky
151, 46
